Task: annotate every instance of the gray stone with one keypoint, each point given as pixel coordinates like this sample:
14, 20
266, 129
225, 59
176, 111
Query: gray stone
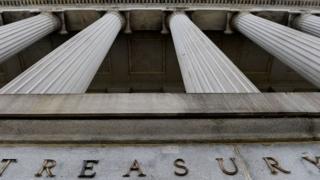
162, 104
156, 161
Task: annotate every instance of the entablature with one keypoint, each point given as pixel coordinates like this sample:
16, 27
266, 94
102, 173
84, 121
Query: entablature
153, 118
166, 5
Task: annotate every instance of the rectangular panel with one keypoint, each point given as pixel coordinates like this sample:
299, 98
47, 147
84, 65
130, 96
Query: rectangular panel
105, 66
147, 56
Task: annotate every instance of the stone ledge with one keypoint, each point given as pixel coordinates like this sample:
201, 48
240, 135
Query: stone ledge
159, 105
160, 130
159, 118
293, 3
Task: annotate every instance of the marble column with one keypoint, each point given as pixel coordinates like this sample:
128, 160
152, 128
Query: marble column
296, 49
308, 23
204, 67
71, 67
16, 36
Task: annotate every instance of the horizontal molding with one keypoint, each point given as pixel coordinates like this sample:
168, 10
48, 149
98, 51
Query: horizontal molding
159, 118
160, 105
295, 3
159, 7
153, 131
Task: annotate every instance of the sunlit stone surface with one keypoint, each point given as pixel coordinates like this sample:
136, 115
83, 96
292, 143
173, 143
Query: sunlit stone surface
16, 36
71, 67
298, 50
204, 67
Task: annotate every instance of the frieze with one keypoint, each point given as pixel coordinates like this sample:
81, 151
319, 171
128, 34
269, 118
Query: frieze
192, 161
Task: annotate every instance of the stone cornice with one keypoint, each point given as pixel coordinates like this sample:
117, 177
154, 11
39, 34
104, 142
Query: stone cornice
162, 105
296, 6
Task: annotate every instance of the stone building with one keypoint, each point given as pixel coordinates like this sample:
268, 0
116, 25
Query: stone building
160, 89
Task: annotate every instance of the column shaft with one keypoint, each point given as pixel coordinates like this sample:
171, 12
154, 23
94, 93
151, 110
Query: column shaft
16, 36
298, 50
70, 67
308, 23
204, 67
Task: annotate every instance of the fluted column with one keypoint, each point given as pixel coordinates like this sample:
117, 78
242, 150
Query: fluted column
204, 67
70, 67
298, 50
308, 23
16, 36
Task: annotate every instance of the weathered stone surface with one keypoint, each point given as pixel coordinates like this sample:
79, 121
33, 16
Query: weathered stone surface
162, 104
157, 161
148, 130
280, 4
159, 117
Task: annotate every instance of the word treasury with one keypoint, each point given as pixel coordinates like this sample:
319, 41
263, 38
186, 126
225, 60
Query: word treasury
180, 167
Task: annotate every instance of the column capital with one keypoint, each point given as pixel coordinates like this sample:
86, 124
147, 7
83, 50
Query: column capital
118, 15
54, 18
299, 19
176, 12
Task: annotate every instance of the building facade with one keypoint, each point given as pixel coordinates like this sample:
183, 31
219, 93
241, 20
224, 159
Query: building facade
159, 89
